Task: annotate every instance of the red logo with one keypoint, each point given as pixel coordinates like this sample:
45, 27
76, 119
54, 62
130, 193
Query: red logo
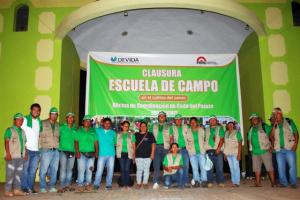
201, 60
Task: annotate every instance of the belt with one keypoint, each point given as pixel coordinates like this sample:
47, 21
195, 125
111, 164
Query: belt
52, 149
159, 144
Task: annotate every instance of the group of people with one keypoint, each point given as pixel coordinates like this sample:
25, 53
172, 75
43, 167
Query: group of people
31, 141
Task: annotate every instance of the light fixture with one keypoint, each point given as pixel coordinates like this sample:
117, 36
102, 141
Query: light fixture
125, 13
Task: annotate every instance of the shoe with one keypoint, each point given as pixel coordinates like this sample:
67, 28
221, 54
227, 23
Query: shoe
52, 190
27, 191
108, 187
221, 185
193, 182
197, 184
204, 184
8, 194
33, 192
80, 189
166, 187
89, 188
138, 186
187, 186
43, 190
155, 186
294, 186
145, 186
282, 186
19, 193
95, 187
210, 185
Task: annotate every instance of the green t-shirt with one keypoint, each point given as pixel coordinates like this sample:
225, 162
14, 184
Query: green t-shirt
86, 139
256, 150
166, 162
67, 138
211, 140
281, 134
124, 141
160, 137
196, 141
8, 133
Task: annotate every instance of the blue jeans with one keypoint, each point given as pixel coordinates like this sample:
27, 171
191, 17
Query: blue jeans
29, 170
235, 171
49, 163
178, 177
108, 162
159, 155
85, 168
218, 165
287, 156
66, 169
125, 171
186, 165
198, 161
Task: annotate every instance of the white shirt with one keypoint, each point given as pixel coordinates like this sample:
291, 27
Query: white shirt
32, 134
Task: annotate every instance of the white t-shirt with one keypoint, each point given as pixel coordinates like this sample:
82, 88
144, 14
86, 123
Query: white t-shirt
32, 134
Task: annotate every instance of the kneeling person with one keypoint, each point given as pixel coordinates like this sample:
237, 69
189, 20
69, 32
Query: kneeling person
173, 167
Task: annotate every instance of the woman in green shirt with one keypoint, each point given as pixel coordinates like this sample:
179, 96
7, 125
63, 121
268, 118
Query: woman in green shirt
125, 143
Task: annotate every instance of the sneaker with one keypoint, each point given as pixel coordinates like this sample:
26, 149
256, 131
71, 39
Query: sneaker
210, 185
52, 190
193, 182
108, 187
43, 190
19, 193
155, 186
8, 194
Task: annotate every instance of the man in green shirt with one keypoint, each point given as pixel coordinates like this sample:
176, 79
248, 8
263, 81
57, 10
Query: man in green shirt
260, 147
15, 154
161, 134
285, 139
179, 134
86, 148
67, 151
214, 140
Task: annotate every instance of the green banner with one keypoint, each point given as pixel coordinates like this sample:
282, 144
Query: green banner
143, 90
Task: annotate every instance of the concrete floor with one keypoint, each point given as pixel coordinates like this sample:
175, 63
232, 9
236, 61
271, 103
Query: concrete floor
244, 192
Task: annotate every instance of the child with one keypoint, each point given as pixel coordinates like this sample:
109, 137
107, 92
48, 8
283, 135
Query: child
173, 167
15, 156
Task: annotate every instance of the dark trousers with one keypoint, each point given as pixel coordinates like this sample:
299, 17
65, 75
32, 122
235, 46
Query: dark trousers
218, 165
125, 169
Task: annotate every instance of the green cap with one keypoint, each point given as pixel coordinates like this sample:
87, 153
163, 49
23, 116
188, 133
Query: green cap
87, 117
178, 116
162, 113
254, 115
70, 114
212, 117
53, 110
18, 115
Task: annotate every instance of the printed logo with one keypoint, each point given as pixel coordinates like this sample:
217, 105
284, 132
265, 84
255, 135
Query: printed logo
124, 60
201, 60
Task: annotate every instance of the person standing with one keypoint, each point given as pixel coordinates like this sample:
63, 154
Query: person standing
67, 152
125, 143
195, 147
32, 125
144, 149
49, 143
260, 147
107, 141
214, 140
86, 150
161, 134
173, 168
285, 139
233, 152
15, 155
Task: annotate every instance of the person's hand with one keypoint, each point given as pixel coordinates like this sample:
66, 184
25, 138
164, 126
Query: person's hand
77, 155
225, 158
294, 147
271, 149
26, 156
218, 151
8, 157
169, 169
96, 155
239, 157
152, 156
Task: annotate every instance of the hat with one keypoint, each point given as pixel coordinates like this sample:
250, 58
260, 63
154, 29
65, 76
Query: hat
212, 117
87, 117
254, 115
18, 115
53, 110
162, 113
178, 116
277, 110
70, 114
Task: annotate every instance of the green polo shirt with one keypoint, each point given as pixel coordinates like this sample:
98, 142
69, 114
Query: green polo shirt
211, 140
256, 149
160, 136
8, 133
196, 141
281, 134
166, 162
67, 138
86, 139
124, 141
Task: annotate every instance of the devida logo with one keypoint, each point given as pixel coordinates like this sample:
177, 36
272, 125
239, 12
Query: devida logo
202, 60
124, 60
